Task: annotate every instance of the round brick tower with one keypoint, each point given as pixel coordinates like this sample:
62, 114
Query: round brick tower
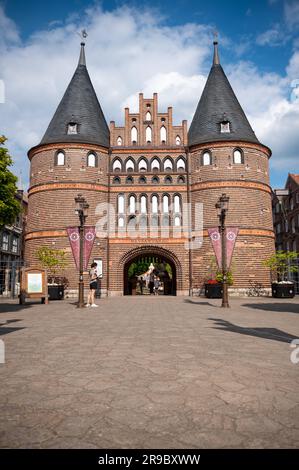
225, 156
71, 158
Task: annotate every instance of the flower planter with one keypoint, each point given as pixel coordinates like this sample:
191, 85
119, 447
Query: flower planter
283, 290
55, 292
213, 291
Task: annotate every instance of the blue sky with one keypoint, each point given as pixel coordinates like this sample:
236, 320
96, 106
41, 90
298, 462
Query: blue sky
259, 47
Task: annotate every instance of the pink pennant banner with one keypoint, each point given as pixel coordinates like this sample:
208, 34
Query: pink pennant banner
231, 237
89, 237
231, 234
74, 239
216, 243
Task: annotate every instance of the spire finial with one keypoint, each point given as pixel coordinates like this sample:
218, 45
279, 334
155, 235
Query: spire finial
83, 35
216, 55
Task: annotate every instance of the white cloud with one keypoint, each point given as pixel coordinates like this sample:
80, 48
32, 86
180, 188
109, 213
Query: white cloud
140, 54
291, 13
276, 36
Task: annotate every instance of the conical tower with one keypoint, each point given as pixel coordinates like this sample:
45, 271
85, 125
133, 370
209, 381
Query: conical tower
79, 116
71, 158
225, 156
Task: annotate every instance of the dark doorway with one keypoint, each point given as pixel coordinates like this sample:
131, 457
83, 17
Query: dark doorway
150, 275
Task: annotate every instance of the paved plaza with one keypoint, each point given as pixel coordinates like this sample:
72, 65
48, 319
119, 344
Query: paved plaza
141, 372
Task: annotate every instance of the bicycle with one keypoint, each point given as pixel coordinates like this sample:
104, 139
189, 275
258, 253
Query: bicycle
256, 289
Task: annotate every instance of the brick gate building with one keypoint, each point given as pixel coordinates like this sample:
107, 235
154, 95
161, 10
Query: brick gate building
147, 172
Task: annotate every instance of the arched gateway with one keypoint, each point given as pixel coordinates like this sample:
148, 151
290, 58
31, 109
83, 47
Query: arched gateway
135, 263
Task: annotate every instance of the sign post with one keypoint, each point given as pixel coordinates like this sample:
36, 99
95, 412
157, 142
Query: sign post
34, 285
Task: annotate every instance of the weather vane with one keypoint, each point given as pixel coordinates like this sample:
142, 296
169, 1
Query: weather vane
83, 35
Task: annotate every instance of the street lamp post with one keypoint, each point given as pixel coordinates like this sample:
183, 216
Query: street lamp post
82, 211
222, 208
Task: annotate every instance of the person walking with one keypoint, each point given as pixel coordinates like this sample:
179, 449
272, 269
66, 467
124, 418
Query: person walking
151, 282
141, 282
93, 284
156, 285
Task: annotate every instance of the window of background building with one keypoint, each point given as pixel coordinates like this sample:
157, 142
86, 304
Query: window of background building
15, 245
5, 239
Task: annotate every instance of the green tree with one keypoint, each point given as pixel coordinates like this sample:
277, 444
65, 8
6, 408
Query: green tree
52, 260
282, 264
9, 205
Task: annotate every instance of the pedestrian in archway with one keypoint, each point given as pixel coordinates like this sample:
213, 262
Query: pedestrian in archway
151, 283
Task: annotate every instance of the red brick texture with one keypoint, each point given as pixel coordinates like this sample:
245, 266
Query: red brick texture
53, 189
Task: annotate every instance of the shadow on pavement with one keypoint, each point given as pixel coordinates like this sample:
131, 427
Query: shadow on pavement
265, 333
6, 330
9, 307
275, 307
188, 301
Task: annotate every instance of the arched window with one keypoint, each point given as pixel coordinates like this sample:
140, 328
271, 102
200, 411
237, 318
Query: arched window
121, 203
155, 164
155, 180
116, 180
117, 165
60, 158
132, 222
121, 221
143, 204
168, 165
177, 140
148, 116
142, 180
168, 180
154, 220
148, 134
181, 179
91, 160
165, 204
206, 158
154, 204
130, 165
238, 156
177, 204
165, 220
142, 222
163, 134
129, 180
142, 165
181, 165
132, 204
134, 135
119, 141
177, 221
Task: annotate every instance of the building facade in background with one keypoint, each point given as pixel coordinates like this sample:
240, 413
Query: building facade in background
285, 204
148, 184
12, 249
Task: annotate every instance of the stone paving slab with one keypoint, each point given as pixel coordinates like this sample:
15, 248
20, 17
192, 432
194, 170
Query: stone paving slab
141, 372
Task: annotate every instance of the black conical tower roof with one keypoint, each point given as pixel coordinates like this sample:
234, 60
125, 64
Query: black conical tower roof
79, 105
218, 103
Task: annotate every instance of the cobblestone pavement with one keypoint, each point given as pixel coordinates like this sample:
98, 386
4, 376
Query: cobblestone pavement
142, 372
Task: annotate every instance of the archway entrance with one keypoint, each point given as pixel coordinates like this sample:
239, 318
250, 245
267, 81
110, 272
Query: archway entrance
150, 274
